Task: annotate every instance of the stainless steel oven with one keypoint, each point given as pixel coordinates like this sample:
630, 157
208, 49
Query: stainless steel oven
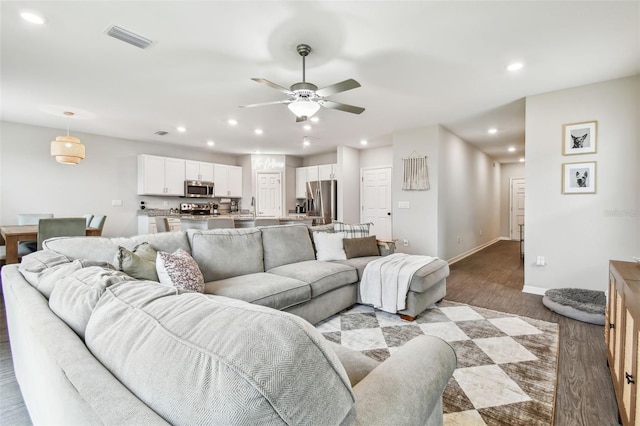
198, 189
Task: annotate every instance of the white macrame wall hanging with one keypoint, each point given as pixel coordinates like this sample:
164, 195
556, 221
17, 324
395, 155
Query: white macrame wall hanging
415, 175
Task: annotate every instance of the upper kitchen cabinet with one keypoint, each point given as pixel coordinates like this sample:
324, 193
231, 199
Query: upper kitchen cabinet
301, 182
197, 170
326, 172
227, 180
160, 175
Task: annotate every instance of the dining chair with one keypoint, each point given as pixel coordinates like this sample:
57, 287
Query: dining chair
98, 222
220, 222
26, 247
266, 222
61, 227
88, 217
162, 224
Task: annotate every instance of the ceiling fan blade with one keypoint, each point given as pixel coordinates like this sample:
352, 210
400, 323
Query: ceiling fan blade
343, 86
273, 85
285, 101
342, 107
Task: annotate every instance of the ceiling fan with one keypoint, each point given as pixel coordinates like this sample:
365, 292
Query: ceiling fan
305, 99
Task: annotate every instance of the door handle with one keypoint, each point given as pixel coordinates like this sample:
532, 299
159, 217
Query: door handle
388, 213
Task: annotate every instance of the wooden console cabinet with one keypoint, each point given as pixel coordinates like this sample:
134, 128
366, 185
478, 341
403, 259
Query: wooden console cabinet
622, 333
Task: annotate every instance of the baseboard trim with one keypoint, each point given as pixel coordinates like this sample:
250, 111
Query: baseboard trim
472, 251
534, 290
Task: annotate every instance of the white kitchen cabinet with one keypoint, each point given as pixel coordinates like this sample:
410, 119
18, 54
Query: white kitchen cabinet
301, 182
326, 172
197, 170
160, 175
227, 180
312, 173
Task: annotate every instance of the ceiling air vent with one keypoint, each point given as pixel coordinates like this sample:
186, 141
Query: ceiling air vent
161, 133
129, 37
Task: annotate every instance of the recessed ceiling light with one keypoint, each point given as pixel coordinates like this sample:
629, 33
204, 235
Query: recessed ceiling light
211, 143
314, 119
232, 122
306, 142
258, 131
363, 142
307, 127
521, 160
492, 131
512, 149
181, 129
516, 66
33, 18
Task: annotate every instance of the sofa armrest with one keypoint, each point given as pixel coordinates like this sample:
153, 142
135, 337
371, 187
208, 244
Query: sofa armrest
407, 387
386, 247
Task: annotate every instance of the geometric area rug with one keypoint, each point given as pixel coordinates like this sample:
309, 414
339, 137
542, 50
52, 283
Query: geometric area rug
507, 364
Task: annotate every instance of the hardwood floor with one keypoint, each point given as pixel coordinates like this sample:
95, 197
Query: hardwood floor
492, 278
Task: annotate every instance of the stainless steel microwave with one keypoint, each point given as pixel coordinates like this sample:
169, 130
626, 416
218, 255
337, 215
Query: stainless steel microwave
198, 189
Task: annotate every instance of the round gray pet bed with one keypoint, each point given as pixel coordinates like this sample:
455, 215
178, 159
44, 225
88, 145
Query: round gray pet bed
582, 305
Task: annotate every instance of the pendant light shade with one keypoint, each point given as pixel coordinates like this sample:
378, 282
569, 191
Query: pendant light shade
67, 149
304, 108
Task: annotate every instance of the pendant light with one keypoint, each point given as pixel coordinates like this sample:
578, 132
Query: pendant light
67, 149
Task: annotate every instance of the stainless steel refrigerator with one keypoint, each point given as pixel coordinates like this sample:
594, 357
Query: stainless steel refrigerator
322, 201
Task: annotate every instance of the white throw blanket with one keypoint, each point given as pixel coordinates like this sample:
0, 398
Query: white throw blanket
385, 281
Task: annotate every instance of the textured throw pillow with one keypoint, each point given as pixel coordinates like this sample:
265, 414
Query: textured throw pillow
139, 263
179, 270
329, 245
352, 231
361, 247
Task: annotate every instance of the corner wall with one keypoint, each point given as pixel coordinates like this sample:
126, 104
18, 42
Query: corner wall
579, 233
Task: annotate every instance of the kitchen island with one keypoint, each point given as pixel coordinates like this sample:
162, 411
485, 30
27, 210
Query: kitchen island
147, 224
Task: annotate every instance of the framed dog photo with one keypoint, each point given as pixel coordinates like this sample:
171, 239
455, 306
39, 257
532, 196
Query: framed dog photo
580, 138
579, 178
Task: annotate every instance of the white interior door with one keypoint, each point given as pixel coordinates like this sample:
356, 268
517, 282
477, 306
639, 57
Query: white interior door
269, 195
376, 201
517, 207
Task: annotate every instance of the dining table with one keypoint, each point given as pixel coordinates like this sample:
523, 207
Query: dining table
13, 234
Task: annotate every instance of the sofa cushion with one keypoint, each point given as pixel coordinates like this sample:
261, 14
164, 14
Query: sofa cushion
179, 270
321, 276
224, 253
329, 246
74, 296
361, 247
203, 359
423, 279
353, 231
286, 244
263, 289
104, 249
139, 263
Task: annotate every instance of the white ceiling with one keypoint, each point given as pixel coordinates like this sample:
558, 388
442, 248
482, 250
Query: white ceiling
419, 63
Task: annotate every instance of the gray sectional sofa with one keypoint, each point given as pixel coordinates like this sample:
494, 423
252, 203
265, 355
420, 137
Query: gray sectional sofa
92, 345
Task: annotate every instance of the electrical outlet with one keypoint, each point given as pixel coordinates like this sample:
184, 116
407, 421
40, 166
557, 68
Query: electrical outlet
405, 242
540, 261
458, 239
165, 204
116, 203
481, 232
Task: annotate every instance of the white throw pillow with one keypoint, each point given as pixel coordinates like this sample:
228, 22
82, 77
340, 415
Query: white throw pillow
179, 270
329, 245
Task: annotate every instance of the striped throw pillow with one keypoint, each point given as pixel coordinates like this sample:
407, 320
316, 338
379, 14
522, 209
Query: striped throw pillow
352, 231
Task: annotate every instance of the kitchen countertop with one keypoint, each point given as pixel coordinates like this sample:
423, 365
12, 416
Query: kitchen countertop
236, 216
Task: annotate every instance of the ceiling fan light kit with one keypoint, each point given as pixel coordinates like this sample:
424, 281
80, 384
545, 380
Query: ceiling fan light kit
305, 99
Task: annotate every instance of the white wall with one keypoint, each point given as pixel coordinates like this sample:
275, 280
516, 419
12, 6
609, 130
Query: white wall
418, 223
507, 172
320, 159
33, 182
468, 197
348, 176
579, 233
376, 157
